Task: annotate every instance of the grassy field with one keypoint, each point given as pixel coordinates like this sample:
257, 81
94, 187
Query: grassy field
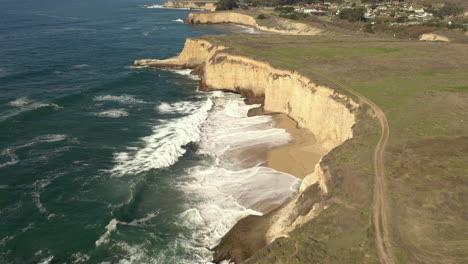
423, 89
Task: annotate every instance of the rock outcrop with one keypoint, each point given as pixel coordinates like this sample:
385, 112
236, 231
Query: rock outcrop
203, 5
282, 26
326, 113
433, 37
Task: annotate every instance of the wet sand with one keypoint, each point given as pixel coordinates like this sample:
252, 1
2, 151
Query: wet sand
297, 158
300, 156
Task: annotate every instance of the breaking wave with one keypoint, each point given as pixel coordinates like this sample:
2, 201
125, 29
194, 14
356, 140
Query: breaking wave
113, 223
187, 72
124, 99
164, 147
177, 108
249, 30
113, 113
153, 6
232, 188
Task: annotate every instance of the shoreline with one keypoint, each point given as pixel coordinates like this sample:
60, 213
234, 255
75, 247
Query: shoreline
319, 110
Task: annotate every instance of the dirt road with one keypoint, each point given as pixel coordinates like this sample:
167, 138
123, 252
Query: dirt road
379, 207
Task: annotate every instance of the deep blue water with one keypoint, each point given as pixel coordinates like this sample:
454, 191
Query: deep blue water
84, 164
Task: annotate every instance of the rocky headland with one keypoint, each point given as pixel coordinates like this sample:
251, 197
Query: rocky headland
277, 25
202, 5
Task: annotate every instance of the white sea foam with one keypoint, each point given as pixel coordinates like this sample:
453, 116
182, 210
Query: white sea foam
164, 147
110, 227
124, 99
23, 104
38, 187
79, 66
4, 240
79, 258
179, 20
226, 196
28, 227
46, 260
249, 30
49, 138
230, 129
10, 154
113, 113
141, 221
153, 6
136, 67
161, 6
187, 72
225, 192
220, 193
177, 108
19, 102
113, 224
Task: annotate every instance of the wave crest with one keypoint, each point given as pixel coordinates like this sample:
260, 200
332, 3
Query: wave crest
164, 147
113, 113
124, 99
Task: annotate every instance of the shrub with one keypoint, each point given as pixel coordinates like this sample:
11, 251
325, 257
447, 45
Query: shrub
226, 5
368, 28
262, 16
290, 16
284, 10
450, 10
353, 14
402, 19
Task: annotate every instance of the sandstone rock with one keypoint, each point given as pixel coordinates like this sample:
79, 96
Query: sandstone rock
433, 37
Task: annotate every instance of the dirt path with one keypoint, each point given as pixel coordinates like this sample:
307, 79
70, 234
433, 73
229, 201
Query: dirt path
379, 207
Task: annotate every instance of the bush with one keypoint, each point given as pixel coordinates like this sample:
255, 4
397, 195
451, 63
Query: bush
226, 5
402, 19
353, 14
244, 7
450, 10
290, 16
368, 28
284, 10
262, 16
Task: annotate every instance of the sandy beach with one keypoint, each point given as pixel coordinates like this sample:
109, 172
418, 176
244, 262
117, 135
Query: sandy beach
300, 156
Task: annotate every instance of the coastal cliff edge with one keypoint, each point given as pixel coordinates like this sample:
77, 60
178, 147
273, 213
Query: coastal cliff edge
330, 116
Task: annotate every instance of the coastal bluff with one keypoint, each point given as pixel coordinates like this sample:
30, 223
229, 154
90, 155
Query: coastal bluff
330, 116
278, 26
202, 5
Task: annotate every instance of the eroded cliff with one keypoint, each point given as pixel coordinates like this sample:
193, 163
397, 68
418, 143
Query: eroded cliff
328, 115
203, 5
281, 26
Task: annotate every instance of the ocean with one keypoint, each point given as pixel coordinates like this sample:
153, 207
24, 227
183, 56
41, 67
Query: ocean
101, 162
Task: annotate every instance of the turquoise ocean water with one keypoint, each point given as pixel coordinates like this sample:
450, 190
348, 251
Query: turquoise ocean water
101, 162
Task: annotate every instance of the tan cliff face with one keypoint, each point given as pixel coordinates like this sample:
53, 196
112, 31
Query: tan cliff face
209, 6
313, 107
195, 52
283, 26
327, 114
